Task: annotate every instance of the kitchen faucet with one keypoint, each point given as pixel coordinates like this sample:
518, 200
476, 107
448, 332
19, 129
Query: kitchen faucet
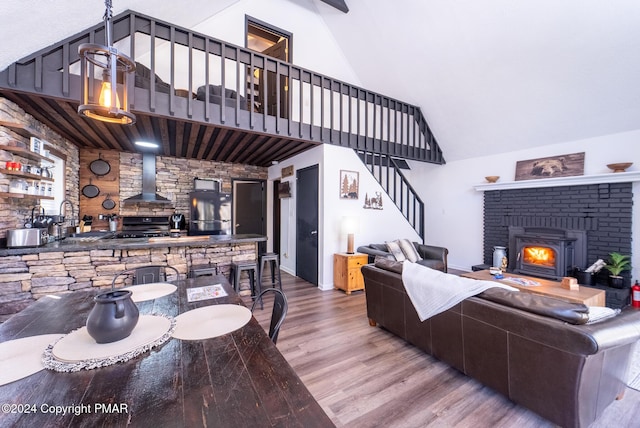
73, 211
33, 211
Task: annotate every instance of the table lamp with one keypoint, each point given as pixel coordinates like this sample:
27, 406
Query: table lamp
350, 227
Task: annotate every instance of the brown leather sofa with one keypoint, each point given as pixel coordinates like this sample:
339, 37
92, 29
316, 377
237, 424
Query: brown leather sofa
566, 373
433, 257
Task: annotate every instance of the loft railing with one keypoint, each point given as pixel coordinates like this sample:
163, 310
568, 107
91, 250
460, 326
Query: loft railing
258, 92
388, 173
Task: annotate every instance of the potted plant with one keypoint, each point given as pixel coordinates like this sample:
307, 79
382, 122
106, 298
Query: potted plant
616, 264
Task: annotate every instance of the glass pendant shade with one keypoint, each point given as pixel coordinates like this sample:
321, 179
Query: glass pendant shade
105, 100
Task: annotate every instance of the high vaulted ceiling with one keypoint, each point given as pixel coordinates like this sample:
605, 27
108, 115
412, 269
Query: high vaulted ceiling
490, 76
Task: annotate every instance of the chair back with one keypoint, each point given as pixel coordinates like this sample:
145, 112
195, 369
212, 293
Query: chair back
279, 312
145, 274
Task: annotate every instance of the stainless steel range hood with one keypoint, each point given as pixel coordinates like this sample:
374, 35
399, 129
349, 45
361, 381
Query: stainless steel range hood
148, 194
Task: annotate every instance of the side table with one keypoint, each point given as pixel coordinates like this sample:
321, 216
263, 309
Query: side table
346, 271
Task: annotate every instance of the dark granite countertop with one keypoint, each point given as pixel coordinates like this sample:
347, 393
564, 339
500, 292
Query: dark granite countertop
75, 244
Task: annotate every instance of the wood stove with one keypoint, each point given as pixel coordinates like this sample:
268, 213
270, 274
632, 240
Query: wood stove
546, 252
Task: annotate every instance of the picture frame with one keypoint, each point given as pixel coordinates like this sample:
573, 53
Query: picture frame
550, 167
36, 145
349, 184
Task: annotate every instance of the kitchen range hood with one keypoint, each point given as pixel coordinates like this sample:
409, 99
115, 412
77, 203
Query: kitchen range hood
148, 194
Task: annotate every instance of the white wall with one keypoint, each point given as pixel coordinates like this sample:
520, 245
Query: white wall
375, 226
454, 209
313, 45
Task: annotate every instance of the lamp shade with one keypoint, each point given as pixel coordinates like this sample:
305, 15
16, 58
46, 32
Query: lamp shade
350, 224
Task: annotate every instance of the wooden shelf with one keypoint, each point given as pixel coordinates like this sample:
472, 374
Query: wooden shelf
25, 175
23, 196
25, 153
22, 130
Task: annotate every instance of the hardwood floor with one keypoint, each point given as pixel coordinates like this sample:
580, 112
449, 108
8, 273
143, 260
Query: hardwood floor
364, 376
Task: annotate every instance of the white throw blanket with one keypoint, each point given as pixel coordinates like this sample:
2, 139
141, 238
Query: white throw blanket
432, 291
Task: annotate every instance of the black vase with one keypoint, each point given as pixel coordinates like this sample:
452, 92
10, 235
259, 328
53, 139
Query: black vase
113, 317
616, 281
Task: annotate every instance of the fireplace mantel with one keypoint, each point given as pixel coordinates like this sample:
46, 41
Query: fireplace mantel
618, 177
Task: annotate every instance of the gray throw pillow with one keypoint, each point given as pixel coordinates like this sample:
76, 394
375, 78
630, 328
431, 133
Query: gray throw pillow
409, 250
394, 248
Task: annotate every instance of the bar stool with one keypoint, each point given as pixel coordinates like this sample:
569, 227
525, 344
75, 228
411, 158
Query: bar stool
274, 263
202, 271
254, 278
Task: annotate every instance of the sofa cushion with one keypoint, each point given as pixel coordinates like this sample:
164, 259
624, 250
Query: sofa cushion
215, 90
394, 248
433, 264
574, 313
409, 250
380, 247
388, 264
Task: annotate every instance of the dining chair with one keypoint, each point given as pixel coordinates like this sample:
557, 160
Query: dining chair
145, 274
278, 313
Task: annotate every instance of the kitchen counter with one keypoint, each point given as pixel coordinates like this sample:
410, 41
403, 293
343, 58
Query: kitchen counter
73, 264
83, 244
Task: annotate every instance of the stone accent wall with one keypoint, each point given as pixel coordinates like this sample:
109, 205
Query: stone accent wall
174, 181
604, 211
13, 211
24, 279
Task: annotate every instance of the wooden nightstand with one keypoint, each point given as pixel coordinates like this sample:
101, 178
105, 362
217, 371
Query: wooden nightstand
346, 271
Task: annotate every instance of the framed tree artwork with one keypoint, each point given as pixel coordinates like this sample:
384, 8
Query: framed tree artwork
349, 183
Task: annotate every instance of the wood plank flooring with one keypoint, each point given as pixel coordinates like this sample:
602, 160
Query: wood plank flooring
364, 376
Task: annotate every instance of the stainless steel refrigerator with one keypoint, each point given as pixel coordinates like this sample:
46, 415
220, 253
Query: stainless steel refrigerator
210, 213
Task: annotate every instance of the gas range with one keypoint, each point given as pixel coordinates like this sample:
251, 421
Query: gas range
143, 227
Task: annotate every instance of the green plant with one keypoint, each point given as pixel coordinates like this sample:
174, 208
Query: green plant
617, 263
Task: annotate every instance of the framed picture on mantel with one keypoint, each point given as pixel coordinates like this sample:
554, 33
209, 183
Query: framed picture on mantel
550, 167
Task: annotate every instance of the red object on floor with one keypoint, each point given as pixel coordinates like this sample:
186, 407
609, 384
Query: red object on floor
635, 295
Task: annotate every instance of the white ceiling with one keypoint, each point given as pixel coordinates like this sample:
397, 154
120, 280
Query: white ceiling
491, 76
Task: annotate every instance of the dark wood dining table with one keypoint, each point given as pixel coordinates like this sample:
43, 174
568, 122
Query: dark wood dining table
239, 379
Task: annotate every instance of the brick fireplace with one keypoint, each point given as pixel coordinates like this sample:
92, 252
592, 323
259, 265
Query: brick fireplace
598, 216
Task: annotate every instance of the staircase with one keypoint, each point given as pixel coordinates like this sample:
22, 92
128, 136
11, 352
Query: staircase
388, 173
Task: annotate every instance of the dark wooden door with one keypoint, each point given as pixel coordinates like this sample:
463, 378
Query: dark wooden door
276, 217
249, 206
307, 224
268, 92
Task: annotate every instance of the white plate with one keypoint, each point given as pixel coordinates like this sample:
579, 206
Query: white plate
20, 358
150, 291
79, 346
210, 321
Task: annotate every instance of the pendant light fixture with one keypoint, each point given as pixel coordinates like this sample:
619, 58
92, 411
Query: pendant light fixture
111, 104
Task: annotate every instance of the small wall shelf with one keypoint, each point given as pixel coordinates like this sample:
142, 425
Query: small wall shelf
23, 196
618, 177
25, 153
25, 175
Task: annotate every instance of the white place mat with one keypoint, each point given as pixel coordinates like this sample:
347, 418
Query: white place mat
206, 292
20, 358
77, 350
150, 291
210, 321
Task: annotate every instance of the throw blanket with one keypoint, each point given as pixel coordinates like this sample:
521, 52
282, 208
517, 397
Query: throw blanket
432, 291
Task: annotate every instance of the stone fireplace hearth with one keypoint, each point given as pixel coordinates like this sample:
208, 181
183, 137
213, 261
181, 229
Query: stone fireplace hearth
600, 215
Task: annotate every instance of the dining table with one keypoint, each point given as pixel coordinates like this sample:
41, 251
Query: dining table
237, 379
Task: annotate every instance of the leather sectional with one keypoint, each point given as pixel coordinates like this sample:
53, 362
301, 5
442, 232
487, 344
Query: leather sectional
533, 354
